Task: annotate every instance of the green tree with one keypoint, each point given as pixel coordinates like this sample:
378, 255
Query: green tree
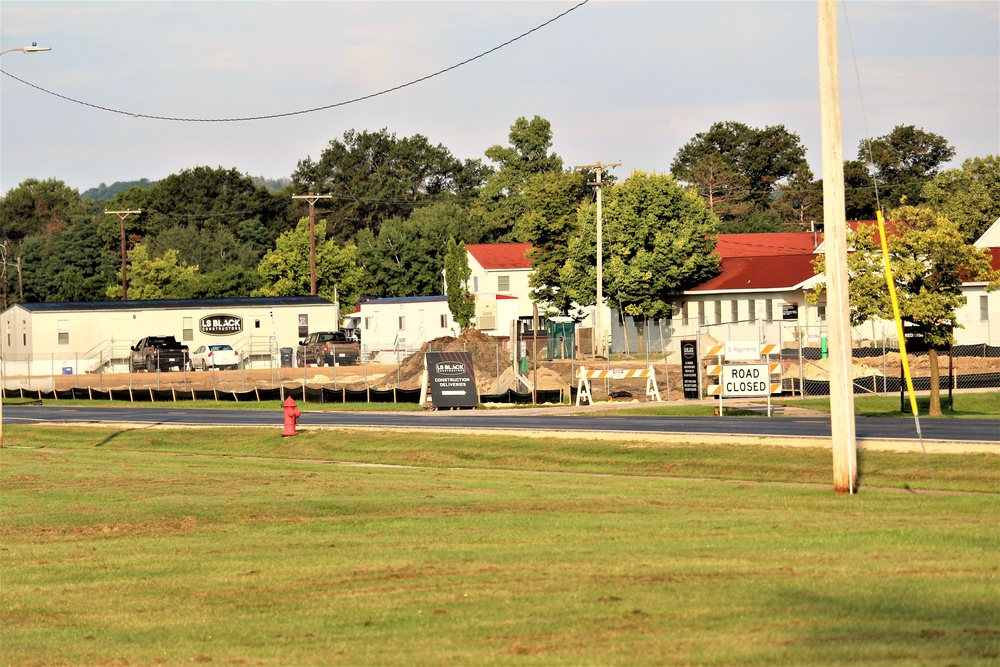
501, 203
461, 302
552, 199
903, 161
227, 282
658, 241
285, 270
929, 259
859, 191
37, 207
210, 249
969, 197
737, 168
375, 176
406, 257
196, 210
799, 200
156, 277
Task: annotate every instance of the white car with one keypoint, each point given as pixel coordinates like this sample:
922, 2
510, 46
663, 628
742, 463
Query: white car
214, 356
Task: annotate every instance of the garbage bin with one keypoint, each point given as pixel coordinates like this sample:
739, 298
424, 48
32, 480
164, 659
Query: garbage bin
286, 357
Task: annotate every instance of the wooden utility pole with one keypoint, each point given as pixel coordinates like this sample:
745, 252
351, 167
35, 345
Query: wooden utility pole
845, 457
121, 218
600, 340
312, 199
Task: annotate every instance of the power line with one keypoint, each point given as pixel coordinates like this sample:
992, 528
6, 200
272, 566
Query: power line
303, 111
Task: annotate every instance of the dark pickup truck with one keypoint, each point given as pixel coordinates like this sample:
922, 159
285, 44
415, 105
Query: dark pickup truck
159, 353
324, 348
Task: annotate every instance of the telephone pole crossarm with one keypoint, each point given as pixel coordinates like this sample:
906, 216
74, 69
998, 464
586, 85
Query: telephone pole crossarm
312, 199
121, 219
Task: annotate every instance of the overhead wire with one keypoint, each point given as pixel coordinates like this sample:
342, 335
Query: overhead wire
302, 111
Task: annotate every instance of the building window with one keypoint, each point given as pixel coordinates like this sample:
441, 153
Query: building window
402, 323
475, 284
503, 283
752, 310
701, 313
684, 314
734, 311
368, 323
984, 308
64, 332
821, 312
768, 310
256, 324
303, 326
444, 321
718, 312
188, 329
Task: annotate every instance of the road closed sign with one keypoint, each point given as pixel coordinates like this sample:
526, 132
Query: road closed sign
452, 379
745, 380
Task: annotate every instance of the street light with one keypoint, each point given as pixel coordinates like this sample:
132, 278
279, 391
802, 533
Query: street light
34, 48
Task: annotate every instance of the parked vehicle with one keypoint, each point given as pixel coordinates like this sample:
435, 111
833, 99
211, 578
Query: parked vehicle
215, 356
324, 348
159, 353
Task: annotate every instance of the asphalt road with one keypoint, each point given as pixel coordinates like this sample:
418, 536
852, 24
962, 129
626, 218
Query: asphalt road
554, 419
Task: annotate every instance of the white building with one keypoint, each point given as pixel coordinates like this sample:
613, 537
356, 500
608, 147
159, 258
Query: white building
392, 329
499, 270
91, 337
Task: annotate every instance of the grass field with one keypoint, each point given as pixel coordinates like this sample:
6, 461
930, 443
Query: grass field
228, 546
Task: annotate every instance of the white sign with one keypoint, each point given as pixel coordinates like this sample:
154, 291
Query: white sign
742, 350
746, 380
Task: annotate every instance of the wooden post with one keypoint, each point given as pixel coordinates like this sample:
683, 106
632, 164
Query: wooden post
834, 216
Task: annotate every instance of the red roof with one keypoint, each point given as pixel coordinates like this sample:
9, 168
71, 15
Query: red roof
760, 273
767, 244
500, 255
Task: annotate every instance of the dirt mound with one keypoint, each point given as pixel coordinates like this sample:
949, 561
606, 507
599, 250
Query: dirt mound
487, 353
819, 369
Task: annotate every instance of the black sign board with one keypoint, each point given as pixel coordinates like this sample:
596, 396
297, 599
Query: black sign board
689, 368
453, 380
220, 325
790, 310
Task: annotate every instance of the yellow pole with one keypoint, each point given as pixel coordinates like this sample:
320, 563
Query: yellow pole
891, 283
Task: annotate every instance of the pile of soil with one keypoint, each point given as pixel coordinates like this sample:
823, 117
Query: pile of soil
819, 369
481, 347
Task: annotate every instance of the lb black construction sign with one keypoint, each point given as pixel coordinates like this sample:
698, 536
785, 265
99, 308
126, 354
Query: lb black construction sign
220, 325
452, 379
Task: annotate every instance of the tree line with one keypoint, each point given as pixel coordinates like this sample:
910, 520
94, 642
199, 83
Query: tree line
399, 203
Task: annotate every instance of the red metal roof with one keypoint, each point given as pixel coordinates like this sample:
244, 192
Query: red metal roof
760, 273
500, 255
767, 244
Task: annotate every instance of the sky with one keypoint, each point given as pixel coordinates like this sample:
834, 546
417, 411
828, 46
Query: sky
620, 81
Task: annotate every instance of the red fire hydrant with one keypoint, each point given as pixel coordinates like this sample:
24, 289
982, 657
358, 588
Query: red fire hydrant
291, 416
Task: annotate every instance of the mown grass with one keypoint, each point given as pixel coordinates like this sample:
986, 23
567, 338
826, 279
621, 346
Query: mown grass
234, 546
969, 405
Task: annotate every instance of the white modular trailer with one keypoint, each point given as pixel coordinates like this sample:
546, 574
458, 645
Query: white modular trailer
393, 328
94, 337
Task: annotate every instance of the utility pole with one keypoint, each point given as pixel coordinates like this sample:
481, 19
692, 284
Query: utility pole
845, 457
121, 217
601, 349
312, 198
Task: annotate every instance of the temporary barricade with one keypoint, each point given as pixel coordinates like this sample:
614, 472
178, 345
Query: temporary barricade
584, 377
